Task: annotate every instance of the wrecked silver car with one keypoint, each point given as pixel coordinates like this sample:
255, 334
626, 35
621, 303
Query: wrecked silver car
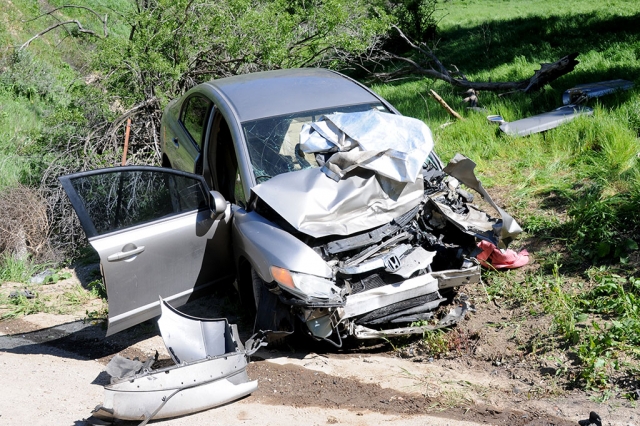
329, 209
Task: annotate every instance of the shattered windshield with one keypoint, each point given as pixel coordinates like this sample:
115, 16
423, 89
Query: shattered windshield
274, 142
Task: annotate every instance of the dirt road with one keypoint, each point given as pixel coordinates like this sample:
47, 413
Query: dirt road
51, 370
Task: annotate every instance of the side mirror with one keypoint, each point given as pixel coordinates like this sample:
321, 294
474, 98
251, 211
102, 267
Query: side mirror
218, 205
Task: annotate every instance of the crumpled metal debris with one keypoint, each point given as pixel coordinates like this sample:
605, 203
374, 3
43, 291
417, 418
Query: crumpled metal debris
210, 371
546, 121
121, 368
583, 92
325, 207
462, 168
189, 338
392, 145
41, 277
22, 293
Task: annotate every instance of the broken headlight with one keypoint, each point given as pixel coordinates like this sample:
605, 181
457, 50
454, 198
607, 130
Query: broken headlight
305, 286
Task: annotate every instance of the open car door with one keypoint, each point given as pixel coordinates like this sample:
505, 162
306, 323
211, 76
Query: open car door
157, 232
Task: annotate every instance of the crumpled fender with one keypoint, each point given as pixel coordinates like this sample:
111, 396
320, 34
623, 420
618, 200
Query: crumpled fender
264, 245
462, 168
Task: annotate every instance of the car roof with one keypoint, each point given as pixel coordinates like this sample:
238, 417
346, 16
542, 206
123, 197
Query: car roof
273, 93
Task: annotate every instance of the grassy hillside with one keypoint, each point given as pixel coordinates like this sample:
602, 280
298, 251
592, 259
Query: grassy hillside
39, 80
575, 189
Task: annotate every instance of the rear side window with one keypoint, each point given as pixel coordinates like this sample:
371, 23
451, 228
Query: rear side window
194, 116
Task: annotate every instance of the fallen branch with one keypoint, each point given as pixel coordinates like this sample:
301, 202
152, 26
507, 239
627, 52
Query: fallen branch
445, 105
428, 64
43, 32
69, 6
71, 21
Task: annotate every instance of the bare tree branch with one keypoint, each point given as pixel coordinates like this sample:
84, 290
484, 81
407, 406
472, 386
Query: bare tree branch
72, 21
428, 64
63, 24
69, 6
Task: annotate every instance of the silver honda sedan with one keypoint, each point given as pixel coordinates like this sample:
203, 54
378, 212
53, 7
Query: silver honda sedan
329, 210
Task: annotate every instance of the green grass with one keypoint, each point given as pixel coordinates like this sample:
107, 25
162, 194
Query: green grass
20, 306
16, 270
37, 83
470, 13
575, 188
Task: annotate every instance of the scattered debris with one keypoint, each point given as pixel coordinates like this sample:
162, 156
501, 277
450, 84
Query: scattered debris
22, 293
546, 121
571, 99
495, 119
583, 92
210, 371
120, 368
493, 257
471, 97
41, 277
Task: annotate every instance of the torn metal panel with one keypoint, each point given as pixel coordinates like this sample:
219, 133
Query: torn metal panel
178, 390
583, 92
548, 120
189, 339
462, 168
318, 206
210, 371
391, 145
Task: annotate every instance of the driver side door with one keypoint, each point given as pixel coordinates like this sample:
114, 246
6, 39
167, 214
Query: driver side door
156, 236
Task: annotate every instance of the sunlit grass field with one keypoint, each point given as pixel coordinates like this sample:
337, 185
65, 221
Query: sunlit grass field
575, 188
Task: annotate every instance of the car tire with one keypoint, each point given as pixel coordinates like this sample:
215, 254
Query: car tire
256, 285
271, 314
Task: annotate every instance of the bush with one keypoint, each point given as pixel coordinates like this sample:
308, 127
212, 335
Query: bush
25, 227
26, 76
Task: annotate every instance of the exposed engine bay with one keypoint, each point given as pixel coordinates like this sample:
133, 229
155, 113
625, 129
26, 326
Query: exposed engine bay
394, 279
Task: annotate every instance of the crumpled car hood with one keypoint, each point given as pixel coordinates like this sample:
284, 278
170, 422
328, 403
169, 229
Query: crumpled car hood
392, 145
319, 206
373, 176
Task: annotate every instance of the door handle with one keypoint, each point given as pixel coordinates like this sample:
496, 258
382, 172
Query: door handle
175, 142
125, 254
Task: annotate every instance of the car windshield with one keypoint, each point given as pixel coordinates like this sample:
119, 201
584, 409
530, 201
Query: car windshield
274, 142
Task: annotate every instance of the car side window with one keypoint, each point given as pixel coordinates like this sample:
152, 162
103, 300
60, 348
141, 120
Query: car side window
193, 117
119, 199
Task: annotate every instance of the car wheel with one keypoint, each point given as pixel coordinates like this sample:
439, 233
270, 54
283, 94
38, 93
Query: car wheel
256, 285
272, 315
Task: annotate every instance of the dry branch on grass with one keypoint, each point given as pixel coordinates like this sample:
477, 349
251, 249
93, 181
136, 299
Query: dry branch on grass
428, 64
445, 105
